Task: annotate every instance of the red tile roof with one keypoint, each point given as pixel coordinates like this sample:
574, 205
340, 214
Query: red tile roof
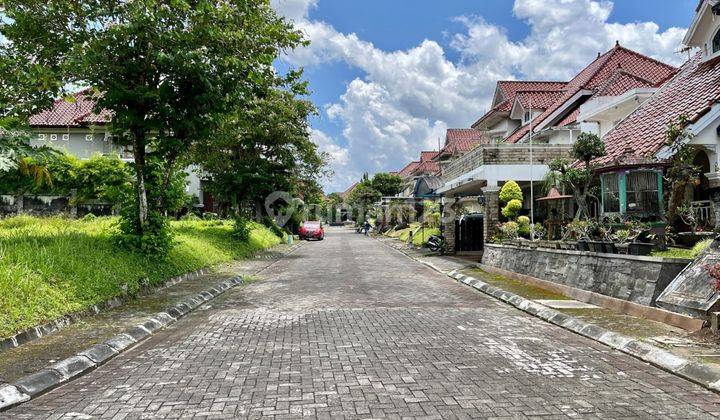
408, 169
596, 76
350, 189
538, 99
71, 114
460, 140
427, 156
642, 134
507, 89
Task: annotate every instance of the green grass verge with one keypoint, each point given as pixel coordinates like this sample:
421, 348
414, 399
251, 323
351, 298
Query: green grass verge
691, 253
422, 236
50, 267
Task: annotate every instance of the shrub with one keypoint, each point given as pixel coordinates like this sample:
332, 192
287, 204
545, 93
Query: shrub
190, 217
210, 216
540, 231
523, 220
699, 247
241, 228
509, 230
512, 209
270, 223
510, 191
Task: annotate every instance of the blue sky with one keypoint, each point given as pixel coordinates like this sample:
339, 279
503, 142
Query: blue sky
390, 76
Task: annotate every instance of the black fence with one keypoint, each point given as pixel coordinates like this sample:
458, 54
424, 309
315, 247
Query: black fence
469, 233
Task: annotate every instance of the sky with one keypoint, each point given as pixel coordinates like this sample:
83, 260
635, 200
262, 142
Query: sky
390, 76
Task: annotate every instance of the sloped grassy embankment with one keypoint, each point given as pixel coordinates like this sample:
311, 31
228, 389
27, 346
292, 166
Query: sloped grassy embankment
51, 267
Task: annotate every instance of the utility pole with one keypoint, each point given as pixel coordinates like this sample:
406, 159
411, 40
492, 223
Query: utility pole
532, 192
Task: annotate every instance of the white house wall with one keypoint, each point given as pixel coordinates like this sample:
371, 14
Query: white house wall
76, 143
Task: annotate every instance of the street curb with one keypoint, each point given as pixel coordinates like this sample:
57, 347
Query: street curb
38, 383
702, 374
38, 331
699, 373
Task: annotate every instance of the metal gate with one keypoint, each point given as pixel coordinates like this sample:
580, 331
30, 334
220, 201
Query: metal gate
469, 233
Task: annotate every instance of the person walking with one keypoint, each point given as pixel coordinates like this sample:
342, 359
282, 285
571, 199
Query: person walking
367, 227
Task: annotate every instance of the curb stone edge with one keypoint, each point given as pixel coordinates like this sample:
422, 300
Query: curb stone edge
699, 373
49, 378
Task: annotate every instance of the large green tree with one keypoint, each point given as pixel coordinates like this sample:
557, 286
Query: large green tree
264, 146
168, 71
387, 184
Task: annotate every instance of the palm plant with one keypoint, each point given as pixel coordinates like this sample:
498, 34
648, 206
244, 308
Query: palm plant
16, 153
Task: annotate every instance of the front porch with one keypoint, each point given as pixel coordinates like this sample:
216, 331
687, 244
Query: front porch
472, 183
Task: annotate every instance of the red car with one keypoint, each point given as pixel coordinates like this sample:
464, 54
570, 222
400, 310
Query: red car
312, 230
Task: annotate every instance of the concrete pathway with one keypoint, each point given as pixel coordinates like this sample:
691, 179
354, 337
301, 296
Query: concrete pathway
349, 327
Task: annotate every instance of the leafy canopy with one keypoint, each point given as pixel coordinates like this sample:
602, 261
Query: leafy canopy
387, 184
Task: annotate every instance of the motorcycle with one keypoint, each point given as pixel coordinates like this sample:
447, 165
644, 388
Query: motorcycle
436, 243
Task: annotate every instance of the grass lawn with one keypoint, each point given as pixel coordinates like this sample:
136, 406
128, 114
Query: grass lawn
50, 267
691, 253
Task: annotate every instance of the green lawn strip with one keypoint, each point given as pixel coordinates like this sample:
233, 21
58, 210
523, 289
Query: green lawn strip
624, 324
50, 267
690, 253
514, 286
421, 236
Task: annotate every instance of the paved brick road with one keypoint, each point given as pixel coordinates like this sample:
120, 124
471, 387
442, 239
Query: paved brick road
349, 327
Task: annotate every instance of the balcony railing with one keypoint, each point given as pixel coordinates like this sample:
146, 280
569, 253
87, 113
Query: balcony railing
507, 154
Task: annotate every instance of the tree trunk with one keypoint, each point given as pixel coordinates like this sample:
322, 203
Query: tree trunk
139, 154
166, 182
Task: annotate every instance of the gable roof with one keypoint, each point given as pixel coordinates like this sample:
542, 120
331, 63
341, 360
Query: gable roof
506, 90
407, 170
595, 77
460, 140
691, 92
76, 113
350, 189
541, 99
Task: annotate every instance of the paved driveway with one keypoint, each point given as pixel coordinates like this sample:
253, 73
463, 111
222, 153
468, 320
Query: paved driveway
349, 327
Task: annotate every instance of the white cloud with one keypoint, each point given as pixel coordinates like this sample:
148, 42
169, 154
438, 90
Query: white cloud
405, 99
294, 9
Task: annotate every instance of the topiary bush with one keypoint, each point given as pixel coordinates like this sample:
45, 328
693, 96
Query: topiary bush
512, 209
510, 191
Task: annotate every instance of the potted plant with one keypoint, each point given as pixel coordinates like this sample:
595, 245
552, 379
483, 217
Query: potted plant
579, 230
636, 230
595, 231
622, 239
605, 231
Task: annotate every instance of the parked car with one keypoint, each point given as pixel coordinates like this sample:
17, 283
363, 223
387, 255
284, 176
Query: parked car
312, 230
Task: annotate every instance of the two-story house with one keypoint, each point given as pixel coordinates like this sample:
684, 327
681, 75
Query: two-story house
74, 128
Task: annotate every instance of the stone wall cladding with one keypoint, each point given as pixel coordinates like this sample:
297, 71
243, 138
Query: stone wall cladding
503, 155
635, 279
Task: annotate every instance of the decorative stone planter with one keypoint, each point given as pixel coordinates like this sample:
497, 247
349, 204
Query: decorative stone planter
635, 278
596, 246
640, 248
610, 247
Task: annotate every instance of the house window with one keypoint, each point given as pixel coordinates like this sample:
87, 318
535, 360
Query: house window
526, 117
41, 137
611, 193
716, 42
642, 192
53, 137
88, 137
66, 137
